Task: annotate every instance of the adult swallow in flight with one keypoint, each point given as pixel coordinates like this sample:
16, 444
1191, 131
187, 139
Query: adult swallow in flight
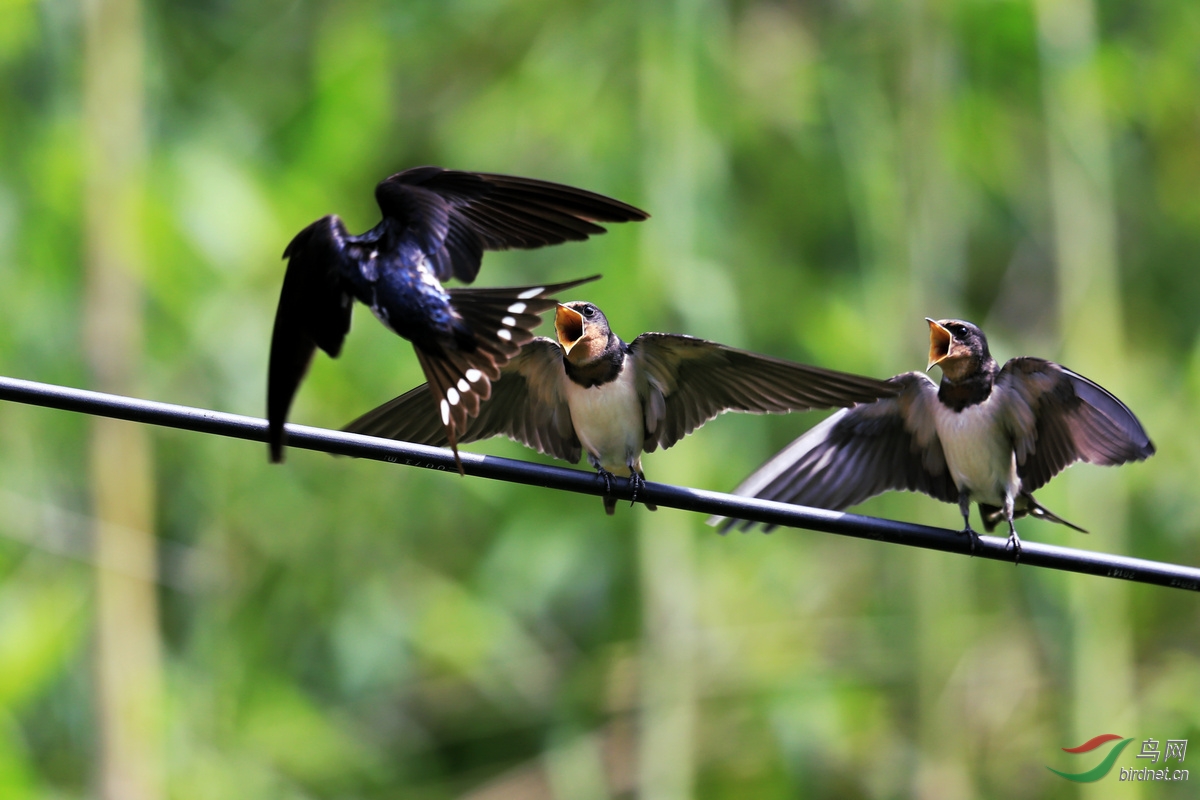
591, 392
986, 434
436, 225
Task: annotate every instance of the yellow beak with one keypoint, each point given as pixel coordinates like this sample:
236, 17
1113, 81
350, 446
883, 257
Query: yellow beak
939, 343
568, 325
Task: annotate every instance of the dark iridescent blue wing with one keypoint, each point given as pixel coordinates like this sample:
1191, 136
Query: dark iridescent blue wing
453, 216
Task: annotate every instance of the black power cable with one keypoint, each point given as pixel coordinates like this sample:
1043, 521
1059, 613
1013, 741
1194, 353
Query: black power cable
574, 480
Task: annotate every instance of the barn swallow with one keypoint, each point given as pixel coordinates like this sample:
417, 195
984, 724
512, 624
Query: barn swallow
591, 392
985, 434
436, 225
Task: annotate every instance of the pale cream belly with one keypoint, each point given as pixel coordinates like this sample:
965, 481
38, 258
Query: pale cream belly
979, 455
608, 422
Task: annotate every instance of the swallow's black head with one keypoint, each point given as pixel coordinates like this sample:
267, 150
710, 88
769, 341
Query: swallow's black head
958, 347
582, 331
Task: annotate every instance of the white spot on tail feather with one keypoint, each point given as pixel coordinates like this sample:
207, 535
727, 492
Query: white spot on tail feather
473, 375
529, 294
510, 321
445, 413
463, 386
452, 396
517, 308
505, 334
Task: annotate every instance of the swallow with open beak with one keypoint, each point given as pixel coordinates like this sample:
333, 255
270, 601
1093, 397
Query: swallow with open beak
436, 224
984, 433
591, 392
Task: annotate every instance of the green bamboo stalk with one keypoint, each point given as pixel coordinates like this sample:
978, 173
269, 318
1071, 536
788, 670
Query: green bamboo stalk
943, 602
675, 172
127, 666
1090, 314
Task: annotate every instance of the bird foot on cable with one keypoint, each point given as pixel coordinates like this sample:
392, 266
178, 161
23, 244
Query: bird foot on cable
972, 536
1014, 542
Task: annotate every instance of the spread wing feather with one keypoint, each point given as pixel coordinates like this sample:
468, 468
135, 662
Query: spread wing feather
859, 452
526, 405
454, 216
1057, 417
686, 381
497, 323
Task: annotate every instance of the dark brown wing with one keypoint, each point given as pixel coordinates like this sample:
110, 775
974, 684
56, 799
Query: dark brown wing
1057, 417
314, 311
500, 322
526, 405
684, 382
411, 417
857, 453
453, 216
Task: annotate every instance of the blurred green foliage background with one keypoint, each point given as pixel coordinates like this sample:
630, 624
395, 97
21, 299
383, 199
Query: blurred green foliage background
822, 175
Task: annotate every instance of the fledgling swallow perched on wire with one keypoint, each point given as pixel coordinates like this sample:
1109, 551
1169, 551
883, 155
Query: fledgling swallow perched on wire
436, 225
984, 433
591, 392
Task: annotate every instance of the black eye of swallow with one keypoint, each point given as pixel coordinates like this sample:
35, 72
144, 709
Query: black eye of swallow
589, 311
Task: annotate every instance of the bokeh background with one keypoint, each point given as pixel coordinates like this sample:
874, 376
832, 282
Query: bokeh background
178, 619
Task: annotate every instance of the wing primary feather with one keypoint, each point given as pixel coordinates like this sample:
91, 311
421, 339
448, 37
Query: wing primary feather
853, 455
525, 405
441, 382
699, 380
1060, 417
